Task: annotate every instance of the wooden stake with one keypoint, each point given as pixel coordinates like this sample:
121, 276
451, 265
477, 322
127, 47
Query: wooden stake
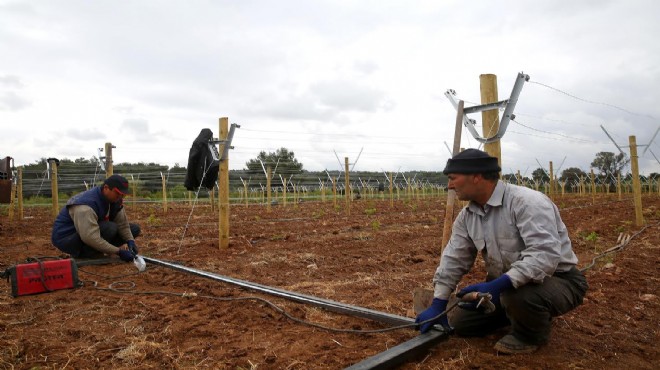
593, 187
164, 185
348, 188
245, 190
268, 190
637, 190
451, 194
391, 192
12, 203
19, 182
552, 182
334, 192
54, 188
223, 188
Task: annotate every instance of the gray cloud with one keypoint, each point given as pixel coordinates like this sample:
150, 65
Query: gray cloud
137, 127
85, 134
11, 81
348, 96
10, 101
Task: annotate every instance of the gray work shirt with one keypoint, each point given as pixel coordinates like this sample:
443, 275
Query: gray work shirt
519, 232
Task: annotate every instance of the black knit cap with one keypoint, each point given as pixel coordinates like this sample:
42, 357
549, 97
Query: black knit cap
117, 182
471, 161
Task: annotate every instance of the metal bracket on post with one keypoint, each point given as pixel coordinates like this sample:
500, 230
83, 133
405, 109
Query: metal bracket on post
227, 145
101, 158
508, 105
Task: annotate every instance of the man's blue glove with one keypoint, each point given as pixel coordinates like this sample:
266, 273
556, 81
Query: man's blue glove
132, 247
126, 255
438, 306
494, 287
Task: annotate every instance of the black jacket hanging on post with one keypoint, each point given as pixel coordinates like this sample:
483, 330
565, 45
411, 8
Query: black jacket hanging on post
201, 170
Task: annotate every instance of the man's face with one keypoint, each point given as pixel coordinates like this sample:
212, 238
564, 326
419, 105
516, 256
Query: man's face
112, 195
464, 185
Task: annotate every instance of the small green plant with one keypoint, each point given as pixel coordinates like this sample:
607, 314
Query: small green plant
318, 214
375, 225
370, 211
278, 237
153, 220
592, 237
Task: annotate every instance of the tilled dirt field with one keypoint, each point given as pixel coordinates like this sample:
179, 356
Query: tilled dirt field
372, 258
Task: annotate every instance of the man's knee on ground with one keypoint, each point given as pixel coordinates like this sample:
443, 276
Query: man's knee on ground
135, 230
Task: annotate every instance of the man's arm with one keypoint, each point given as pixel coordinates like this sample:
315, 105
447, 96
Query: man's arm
457, 259
86, 222
122, 225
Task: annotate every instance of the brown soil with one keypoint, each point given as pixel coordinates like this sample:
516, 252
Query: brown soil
372, 258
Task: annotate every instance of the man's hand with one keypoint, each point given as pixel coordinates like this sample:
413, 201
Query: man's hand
126, 255
132, 247
494, 287
438, 306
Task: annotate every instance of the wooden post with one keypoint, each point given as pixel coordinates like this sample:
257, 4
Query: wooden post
133, 192
518, 179
223, 188
12, 202
212, 199
334, 192
109, 170
245, 190
391, 192
552, 182
583, 189
164, 185
451, 194
54, 188
322, 193
618, 184
19, 183
593, 187
284, 182
637, 190
490, 118
268, 190
348, 187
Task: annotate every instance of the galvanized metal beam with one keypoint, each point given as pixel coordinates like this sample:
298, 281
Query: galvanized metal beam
302, 298
404, 352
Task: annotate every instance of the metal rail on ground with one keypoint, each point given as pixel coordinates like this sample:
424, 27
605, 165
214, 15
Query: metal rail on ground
302, 298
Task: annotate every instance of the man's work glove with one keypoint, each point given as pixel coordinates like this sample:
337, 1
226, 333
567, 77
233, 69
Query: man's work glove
438, 306
494, 287
132, 247
126, 255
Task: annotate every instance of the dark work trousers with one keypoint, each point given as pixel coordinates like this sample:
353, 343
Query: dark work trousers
529, 309
74, 246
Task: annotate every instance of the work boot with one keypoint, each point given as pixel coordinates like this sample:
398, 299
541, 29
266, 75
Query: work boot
512, 346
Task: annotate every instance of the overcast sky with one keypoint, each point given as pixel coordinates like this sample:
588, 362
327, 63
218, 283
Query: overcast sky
326, 77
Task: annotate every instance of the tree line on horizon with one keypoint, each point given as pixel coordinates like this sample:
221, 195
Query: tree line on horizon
285, 166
